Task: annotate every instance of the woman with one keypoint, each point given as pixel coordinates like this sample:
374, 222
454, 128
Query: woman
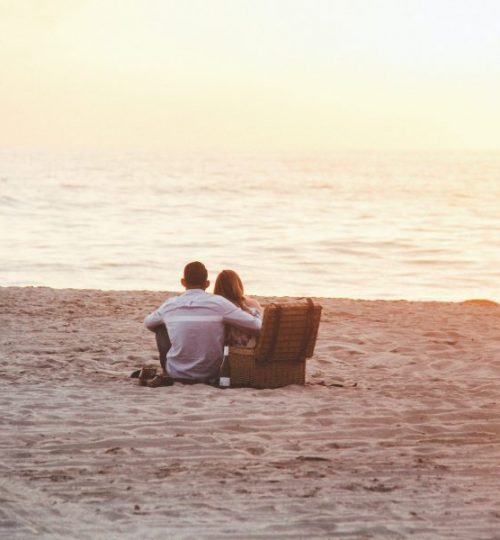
228, 284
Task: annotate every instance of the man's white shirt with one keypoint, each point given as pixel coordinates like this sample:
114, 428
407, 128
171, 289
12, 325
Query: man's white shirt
195, 324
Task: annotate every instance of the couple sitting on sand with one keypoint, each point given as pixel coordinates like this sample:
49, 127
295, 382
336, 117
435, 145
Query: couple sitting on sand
191, 329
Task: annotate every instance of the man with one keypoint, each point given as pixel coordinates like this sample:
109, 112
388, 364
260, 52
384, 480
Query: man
190, 328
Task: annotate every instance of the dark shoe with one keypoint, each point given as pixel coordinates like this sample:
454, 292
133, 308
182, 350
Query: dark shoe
160, 380
146, 374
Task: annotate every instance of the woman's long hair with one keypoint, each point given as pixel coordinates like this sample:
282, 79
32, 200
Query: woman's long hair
228, 284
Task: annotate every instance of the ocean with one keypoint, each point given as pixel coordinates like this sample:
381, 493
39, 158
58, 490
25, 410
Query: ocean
417, 226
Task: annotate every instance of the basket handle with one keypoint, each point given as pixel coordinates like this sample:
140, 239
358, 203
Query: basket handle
307, 331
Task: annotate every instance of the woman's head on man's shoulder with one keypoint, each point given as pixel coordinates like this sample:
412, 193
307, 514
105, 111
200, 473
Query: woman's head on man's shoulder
229, 285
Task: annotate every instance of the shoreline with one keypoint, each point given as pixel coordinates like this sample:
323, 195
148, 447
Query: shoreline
394, 434
167, 293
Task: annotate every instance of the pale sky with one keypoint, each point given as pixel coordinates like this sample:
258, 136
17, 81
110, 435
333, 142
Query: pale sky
256, 75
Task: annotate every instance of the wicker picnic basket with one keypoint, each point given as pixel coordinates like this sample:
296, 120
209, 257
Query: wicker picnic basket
288, 336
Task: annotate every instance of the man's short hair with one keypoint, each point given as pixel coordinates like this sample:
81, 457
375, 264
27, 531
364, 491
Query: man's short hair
195, 273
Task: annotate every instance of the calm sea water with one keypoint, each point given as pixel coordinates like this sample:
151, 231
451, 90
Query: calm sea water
414, 226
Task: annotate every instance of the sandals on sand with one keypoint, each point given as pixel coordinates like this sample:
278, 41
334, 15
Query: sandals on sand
160, 380
148, 377
146, 374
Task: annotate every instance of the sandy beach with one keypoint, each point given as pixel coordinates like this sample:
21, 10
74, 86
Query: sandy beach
395, 435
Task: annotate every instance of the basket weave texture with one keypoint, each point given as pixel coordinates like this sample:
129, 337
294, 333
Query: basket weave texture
288, 336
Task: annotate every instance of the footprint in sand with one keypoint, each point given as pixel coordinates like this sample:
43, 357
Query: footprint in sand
255, 450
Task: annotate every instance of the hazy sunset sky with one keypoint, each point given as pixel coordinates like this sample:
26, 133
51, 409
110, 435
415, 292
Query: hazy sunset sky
250, 75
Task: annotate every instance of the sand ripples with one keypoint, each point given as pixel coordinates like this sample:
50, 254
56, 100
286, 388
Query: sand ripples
396, 433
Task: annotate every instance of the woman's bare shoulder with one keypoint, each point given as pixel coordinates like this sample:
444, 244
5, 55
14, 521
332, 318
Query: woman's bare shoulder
251, 302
